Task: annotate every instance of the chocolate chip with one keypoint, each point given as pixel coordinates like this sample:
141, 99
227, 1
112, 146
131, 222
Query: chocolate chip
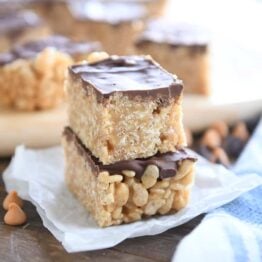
205, 152
252, 122
233, 146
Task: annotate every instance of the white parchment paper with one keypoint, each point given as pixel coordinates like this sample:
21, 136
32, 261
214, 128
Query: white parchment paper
37, 176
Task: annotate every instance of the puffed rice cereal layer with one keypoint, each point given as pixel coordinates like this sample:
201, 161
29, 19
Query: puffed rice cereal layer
124, 107
114, 198
32, 74
34, 84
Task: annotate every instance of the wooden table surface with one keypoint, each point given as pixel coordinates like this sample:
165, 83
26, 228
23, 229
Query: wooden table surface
33, 242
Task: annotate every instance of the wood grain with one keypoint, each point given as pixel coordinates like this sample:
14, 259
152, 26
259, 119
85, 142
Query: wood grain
33, 242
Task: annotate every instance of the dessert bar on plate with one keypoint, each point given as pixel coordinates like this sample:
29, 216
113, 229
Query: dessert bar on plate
127, 190
32, 74
19, 27
114, 24
125, 108
124, 146
181, 49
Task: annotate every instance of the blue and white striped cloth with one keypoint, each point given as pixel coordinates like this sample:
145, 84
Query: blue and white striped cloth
234, 231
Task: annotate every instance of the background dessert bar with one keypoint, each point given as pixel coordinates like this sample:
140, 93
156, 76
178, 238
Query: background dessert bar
17, 27
114, 24
32, 74
180, 48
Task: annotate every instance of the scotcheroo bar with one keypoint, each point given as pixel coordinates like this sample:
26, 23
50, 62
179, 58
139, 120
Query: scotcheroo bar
17, 27
32, 74
115, 24
128, 190
180, 48
124, 108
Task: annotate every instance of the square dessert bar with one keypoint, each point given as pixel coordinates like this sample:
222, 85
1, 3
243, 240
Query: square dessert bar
19, 27
181, 49
128, 190
32, 74
125, 108
55, 12
115, 24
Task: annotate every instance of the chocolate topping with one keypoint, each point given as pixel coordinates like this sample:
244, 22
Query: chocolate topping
110, 12
63, 44
174, 34
136, 76
12, 22
167, 163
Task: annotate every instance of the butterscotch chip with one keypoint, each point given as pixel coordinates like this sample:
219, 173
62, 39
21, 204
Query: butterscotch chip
211, 138
220, 156
240, 131
221, 127
15, 216
12, 197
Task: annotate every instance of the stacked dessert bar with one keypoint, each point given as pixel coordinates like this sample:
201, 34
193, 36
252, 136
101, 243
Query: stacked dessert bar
124, 147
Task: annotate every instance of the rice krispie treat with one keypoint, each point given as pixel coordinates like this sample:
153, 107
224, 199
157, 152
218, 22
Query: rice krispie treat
154, 8
125, 108
55, 12
129, 190
19, 27
32, 74
114, 24
181, 49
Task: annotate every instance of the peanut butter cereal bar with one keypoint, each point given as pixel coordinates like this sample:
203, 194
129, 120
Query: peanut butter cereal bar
55, 12
114, 24
125, 107
127, 190
180, 48
154, 8
19, 27
32, 74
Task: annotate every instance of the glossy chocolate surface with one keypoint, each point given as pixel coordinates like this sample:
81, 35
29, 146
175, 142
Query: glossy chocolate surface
13, 21
63, 44
174, 34
167, 163
136, 76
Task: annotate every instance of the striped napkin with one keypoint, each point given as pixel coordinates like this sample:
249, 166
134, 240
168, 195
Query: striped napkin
234, 231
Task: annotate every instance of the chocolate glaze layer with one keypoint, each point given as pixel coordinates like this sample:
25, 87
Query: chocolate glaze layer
13, 21
63, 44
175, 35
136, 76
109, 12
168, 163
